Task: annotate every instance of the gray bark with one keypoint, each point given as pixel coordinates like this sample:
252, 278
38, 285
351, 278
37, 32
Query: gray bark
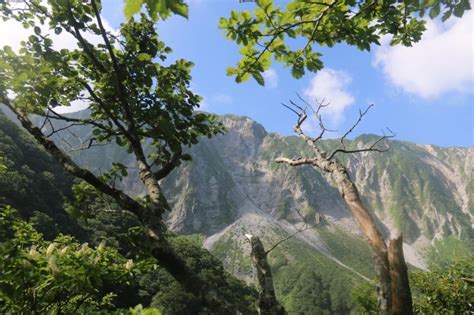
267, 301
402, 303
150, 217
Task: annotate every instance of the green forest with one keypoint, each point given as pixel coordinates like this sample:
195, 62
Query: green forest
76, 239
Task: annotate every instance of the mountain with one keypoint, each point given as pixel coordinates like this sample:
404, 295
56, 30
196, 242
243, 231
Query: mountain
34, 183
424, 191
233, 186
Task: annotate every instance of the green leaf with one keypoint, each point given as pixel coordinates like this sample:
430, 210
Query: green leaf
258, 77
446, 15
230, 71
297, 71
144, 57
264, 3
131, 8
434, 12
458, 11
177, 7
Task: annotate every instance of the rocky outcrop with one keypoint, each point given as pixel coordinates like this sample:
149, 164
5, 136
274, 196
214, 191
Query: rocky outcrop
423, 191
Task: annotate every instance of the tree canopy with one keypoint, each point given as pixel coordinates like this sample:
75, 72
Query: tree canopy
133, 98
292, 34
136, 97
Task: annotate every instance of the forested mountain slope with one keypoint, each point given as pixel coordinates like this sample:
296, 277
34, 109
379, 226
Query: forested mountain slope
232, 187
35, 187
34, 183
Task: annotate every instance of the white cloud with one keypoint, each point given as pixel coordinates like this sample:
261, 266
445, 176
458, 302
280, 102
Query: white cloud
271, 78
330, 85
222, 98
441, 62
13, 32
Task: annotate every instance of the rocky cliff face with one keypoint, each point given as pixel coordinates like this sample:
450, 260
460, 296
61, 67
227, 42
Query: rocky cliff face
423, 191
233, 186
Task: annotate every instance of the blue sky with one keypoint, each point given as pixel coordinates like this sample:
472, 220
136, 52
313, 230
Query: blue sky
417, 114
424, 93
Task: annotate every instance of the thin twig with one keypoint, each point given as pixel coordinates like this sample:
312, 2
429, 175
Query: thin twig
286, 238
361, 115
368, 149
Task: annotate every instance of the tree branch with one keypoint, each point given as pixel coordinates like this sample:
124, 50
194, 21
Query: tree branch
371, 148
361, 115
287, 238
267, 301
169, 166
297, 162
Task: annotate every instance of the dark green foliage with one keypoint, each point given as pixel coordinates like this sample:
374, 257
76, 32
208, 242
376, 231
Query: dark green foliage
62, 276
33, 183
45, 225
364, 299
211, 269
307, 292
100, 278
269, 32
441, 290
450, 250
103, 219
327, 290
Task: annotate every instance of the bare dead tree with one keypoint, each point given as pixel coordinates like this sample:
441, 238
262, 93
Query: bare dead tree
267, 303
122, 110
386, 269
401, 297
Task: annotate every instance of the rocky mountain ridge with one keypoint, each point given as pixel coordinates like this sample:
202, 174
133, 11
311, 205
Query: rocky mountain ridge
423, 191
233, 187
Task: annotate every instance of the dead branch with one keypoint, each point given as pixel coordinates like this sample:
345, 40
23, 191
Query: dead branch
387, 270
318, 116
45, 120
401, 295
361, 115
302, 116
54, 131
267, 301
91, 143
371, 148
468, 280
296, 162
305, 227
300, 230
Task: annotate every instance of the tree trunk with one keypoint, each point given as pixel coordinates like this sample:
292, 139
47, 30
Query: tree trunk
367, 224
154, 228
401, 295
267, 301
